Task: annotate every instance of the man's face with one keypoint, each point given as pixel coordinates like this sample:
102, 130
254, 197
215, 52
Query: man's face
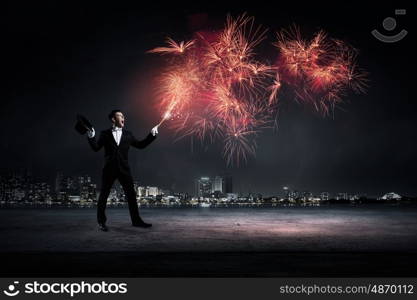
119, 120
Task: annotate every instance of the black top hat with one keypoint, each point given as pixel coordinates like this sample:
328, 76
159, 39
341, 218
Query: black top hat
82, 124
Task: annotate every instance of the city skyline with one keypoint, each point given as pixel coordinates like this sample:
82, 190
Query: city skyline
203, 187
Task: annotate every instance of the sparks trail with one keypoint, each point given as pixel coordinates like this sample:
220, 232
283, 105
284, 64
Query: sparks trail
213, 87
174, 47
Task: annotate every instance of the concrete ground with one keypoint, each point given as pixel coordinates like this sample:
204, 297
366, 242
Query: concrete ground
338, 240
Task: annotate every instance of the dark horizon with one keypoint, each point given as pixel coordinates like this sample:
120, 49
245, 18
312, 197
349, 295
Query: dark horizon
66, 59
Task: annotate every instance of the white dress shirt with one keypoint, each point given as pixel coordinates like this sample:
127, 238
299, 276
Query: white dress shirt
117, 134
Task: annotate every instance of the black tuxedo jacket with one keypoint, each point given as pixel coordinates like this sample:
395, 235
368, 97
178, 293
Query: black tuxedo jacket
116, 156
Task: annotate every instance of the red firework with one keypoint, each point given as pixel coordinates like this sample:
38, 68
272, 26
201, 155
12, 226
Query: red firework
214, 88
320, 70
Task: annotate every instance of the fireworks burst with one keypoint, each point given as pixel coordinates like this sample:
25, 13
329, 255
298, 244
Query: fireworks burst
217, 87
320, 70
214, 88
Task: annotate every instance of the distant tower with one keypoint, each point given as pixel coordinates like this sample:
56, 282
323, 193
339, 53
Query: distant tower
203, 187
227, 184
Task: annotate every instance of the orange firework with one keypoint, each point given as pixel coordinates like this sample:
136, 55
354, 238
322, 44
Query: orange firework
179, 85
174, 47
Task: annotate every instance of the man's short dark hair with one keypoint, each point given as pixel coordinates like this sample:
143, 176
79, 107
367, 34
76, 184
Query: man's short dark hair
113, 112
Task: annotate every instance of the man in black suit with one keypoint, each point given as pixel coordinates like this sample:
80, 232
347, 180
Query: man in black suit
116, 142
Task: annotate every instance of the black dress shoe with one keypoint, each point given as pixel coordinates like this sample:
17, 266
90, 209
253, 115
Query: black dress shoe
103, 227
142, 224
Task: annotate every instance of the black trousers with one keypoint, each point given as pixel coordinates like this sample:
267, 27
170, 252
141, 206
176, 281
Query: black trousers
125, 179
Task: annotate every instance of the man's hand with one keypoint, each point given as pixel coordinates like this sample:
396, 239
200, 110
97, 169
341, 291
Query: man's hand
154, 130
91, 133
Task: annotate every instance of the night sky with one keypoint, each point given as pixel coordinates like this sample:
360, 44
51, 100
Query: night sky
63, 59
